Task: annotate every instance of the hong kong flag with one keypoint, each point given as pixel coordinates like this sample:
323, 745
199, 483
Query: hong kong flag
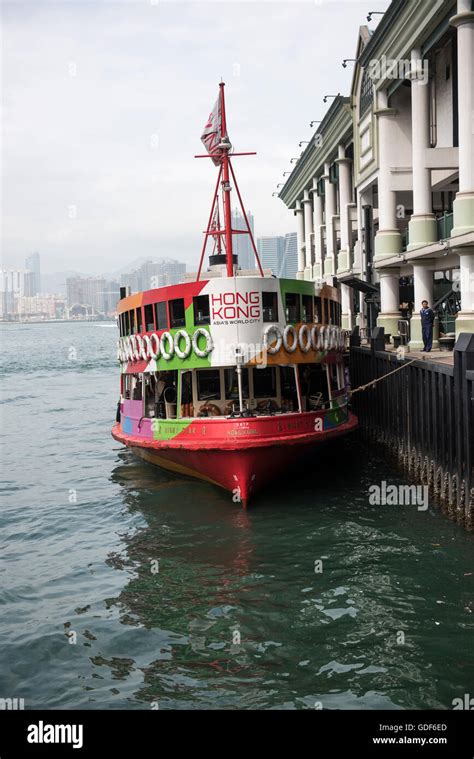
211, 135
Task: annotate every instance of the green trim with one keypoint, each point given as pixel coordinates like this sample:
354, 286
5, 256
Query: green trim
387, 244
167, 429
421, 232
463, 215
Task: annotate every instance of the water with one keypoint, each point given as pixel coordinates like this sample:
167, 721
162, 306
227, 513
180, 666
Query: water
82, 521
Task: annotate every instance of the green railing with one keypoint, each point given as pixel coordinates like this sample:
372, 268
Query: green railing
445, 226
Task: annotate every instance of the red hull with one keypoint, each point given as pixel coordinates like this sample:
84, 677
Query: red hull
241, 470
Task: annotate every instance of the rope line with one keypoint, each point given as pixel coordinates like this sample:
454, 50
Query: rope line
379, 379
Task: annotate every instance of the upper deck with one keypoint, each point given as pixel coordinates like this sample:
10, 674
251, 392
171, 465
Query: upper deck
222, 321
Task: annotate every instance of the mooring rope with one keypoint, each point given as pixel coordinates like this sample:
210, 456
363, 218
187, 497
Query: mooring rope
384, 376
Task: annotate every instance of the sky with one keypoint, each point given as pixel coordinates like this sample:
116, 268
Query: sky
103, 105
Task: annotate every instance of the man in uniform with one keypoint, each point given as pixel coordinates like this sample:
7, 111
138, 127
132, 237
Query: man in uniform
427, 318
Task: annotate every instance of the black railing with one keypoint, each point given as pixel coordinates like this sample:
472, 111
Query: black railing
424, 415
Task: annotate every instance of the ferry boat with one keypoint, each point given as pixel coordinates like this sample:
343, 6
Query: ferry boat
232, 376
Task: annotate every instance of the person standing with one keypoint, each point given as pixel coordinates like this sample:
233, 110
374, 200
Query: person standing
427, 318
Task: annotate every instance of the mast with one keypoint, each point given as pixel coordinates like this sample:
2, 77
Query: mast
220, 154
225, 147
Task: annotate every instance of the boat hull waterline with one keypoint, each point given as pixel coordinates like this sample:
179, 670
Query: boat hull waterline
272, 447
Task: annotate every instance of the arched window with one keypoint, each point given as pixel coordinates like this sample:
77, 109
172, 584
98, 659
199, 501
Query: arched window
366, 93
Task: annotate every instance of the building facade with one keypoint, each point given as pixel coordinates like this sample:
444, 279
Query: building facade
33, 263
152, 274
384, 193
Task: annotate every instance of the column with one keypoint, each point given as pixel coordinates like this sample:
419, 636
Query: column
464, 203
346, 307
330, 197
422, 229
317, 224
345, 199
389, 300
300, 239
388, 240
308, 231
423, 281
465, 318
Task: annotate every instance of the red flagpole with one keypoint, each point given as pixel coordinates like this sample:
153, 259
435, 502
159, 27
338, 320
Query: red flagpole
226, 190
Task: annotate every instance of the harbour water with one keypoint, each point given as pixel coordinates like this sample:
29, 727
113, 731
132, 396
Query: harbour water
122, 586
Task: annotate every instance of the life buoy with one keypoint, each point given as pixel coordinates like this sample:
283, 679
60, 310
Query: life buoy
119, 351
201, 332
148, 350
315, 337
333, 338
154, 346
342, 340
289, 329
181, 334
325, 337
141, 348
128, 349
135, 347
272, 328
167, 354
210, 409
304, 338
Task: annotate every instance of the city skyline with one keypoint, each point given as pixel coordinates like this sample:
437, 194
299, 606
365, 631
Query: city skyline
111, 172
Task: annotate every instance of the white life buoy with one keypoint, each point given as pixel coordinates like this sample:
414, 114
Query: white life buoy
289, 329
166, 336
325, 337
119, 351
141, 348
201, 332
333, 338
128, 349
315, 339
304, 338
135, 347
342, 340
272, 348
154, 346
181, 334
148, 349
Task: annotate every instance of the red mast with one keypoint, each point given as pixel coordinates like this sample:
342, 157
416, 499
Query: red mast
220, 153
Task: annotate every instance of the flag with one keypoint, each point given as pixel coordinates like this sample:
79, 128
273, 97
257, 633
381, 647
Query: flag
211, 135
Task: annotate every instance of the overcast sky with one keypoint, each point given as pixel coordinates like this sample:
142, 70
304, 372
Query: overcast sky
104, 104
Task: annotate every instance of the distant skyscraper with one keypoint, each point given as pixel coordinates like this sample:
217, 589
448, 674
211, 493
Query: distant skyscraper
151, 274
33, 264
279, 254
87, 291
241, 244
290, 257
14, 283
270, 252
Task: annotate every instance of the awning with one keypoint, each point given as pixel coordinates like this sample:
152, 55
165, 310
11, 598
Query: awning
358, 284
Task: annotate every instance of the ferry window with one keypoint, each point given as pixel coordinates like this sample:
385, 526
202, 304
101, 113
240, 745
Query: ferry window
177, 317
270, 307
120, 325
149, 323
264, 382
139, 320
232, 386
338, 314
126, 323
209, 384
132, 322
161, 316
202, 314
292, 307
318, 314
307, 301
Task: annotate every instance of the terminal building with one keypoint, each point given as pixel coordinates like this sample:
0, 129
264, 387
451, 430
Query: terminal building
383, 194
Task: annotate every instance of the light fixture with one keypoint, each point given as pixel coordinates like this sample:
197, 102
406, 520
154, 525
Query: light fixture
303, 142
294, 160
348, 60
280, 185
374, 13
325, 98
312, 123
275, 193
286, 172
